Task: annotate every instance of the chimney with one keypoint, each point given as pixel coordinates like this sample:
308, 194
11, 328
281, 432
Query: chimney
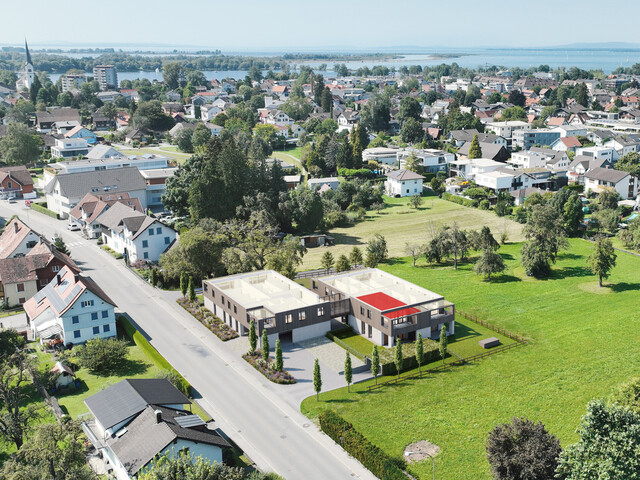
59, 279
15, 227
158, 414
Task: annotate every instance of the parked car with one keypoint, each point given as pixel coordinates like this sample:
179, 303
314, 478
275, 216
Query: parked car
73, 226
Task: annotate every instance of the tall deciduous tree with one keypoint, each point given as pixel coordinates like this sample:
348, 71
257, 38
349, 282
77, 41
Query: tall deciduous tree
573, 214
348, 370
376, 251
409, 108
544, 232
317, 378
173, 75
522, 450
443, 342
489, 263
602, 259
19, 146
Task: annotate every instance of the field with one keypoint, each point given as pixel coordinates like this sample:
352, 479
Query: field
399, 223
584, 342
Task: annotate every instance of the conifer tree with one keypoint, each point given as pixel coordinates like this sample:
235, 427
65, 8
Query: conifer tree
375, 363
317, 379
348, 371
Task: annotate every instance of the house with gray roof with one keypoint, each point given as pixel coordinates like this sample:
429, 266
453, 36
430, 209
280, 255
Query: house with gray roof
403, 183
492, 151
137, 420
597, 179
133, 234
64, 191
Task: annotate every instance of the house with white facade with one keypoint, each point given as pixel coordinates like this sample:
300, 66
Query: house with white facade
87, 211
505, 179
528, 160
17, 239
432, 160
468, 169
69, 147
137, 420
597, 179
278, 117
606, 153
403, 183
133, 234
348, 120
72, 308
382, 155
64, 191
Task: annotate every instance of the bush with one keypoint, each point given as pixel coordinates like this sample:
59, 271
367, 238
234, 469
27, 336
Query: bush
352, 172
375, 460
268, 368
103, 356
484, 205
431, 354
158, 359
208, 319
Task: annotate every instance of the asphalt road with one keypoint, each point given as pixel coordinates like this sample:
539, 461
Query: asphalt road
273, 434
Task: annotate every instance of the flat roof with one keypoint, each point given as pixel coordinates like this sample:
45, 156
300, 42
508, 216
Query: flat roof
480, 162
371, 281
266, 289
381, 301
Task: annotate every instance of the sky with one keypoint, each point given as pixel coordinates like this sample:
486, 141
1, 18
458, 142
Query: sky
344, 25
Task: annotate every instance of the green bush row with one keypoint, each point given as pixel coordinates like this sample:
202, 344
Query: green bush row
375, 460
387, 356
149, 349
343, 344
39, 208
459, 200
356, 172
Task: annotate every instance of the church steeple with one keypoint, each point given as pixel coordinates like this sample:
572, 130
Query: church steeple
26, 47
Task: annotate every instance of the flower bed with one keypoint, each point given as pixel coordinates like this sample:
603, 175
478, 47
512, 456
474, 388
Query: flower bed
268, 369
208, 319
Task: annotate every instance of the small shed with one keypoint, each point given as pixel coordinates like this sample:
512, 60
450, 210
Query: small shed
64, 375
489, 342
316, 240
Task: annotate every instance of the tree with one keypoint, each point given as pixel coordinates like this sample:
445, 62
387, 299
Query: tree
419, 351
544, 233
413, 250
149, 116
376, 251
487, 241
513, 113
110, 111
627, 395
398, 356
522, 450
573, 214
582, 95
60, 245
415, 201
253, 337
201, 135
489, 263
517, 98
173, 75
474, 149
443, 342
264, 346
154, 276
19, 146
348, 371
184, 140
375, 363
103, 356
355, 256
55, 451
327, 260
609, 438
376, 113
279, 362
629, 163
343, 265
317, 378
608, 199
603, 258
184, 283
192, 290
436, 185
409, 109
411, 131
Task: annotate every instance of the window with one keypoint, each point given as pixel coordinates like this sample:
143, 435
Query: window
9, 185
368, 313
159, 230
145, 255
76, 334
87, 303
21, 287
22, 300
105, 313
55, 268
151, 232
106, 328
288, 318
94, 315
206, 289
96, 330
321, 311
302, 316
314, 284
167, 240
235, 310
75, 319
326, 291
145, 243
361, 310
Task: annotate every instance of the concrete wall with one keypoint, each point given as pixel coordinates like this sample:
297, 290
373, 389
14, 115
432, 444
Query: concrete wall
311, 331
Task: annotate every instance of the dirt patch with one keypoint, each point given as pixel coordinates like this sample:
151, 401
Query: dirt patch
419, 451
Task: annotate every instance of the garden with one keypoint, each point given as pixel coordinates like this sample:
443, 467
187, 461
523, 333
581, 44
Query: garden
582, 343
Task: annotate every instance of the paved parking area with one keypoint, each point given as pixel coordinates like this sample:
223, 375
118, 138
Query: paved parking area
330, 353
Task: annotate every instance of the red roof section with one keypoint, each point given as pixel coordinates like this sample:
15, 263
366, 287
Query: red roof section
382, 301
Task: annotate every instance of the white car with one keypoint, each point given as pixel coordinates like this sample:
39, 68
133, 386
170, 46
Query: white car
73, 226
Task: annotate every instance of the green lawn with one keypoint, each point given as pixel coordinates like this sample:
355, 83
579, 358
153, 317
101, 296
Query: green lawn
399, 223
162, 152
356, 341
584, 342
467, 335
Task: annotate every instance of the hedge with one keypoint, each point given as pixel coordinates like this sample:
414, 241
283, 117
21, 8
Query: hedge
353, 172
387, 356
467, 202
39, 208
343, 344
133, 333
375, 460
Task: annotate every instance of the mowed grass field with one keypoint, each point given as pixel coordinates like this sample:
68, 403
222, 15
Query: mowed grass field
584, 342
399, 223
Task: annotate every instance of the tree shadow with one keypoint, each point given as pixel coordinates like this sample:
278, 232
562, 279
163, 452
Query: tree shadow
343, 239
569, 256
624, 287
507, 256
568, 272
463, 332
128, 368
503, 279
340, 400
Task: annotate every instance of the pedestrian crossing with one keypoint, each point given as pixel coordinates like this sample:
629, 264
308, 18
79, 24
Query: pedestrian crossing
75, 244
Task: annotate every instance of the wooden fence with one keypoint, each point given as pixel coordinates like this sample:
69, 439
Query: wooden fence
519, 341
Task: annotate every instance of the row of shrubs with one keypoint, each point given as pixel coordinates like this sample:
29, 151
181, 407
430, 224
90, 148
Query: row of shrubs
208, 319
42, 208
375, 460
133, 333
467, 202
387, 363
268, 369
115, 254
356, 172
331, 336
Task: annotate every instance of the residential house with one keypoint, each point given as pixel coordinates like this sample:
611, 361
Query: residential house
525, 139
64, 191
582, 164
432, 160
460, 137
178, 127
137, 420
17, 239
317, 183
348, 120
566, 144
467, 169
608, 153
156, 185
491, 151
63, 127
403, 183
504, 179
45, 120
69, 147
209, 112
135, 135
15, 182
382, 155
529, 159
109, 96
557, 160
72, 81
71, 307
624, 144
100, 122
106, 76
86, 212
279, 118
133, 234
216, 130
520, 196
597, 179
83, 133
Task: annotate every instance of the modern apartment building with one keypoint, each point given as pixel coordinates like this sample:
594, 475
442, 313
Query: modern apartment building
106, 76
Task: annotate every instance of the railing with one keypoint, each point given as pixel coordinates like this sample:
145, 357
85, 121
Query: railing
323, 272
519, 341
